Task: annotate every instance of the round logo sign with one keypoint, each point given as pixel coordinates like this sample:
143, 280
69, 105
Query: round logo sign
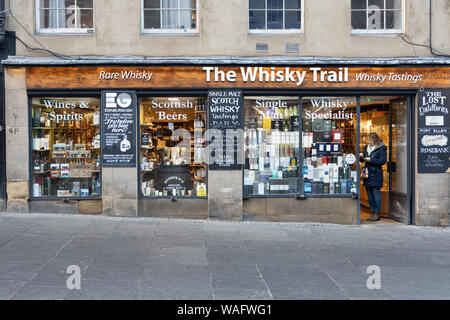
350, 158
124, 100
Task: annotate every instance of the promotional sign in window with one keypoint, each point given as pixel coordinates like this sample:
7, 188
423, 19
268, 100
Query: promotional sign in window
226, 115
433, 131
119, 138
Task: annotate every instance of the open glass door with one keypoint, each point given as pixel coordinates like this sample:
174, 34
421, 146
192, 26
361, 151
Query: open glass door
398, 160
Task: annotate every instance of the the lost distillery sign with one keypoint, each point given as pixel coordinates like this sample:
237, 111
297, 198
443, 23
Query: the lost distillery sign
237, 77
433, 130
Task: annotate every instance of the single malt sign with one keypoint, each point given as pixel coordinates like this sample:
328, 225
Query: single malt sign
226, 115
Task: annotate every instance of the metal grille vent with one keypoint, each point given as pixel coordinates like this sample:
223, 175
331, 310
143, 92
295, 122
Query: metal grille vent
263, 47
291, 47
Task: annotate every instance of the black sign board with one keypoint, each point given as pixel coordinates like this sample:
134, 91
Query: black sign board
118, 129
226, 112
173, 177
433, 130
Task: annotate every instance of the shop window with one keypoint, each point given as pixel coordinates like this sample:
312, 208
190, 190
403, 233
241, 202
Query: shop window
65, 147
271, 146
329, 145
377, 16
176, 16
275, 16
64, 16
172, 160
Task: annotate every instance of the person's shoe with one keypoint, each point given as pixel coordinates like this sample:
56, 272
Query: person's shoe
371, 214
374, 217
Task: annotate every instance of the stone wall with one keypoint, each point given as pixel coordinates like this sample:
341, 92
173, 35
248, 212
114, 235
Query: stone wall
17, 141
323, 210
223, 30
225, 194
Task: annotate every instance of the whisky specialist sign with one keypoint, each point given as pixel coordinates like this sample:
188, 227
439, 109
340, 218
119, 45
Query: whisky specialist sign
433, 130
118, 129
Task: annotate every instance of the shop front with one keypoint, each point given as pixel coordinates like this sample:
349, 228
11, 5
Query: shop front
233, 142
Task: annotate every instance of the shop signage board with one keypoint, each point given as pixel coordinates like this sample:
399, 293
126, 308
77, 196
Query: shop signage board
433, 130
226, 112
118, 129
237, 77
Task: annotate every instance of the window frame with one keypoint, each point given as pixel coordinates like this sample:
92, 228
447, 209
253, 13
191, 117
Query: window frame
277, 31
161, 31
58, 31
380, 32
32, 94
162, 94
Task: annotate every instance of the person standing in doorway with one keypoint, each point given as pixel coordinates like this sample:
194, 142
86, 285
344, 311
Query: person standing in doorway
374, 157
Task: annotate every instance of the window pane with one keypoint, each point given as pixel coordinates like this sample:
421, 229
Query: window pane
274, 19
329, 135
274, 4
86, 20
170, 4
152, 19
257, 19
45, 19
85, 4
376, 4
375, 19
359, 4
394, 19
293, 4
151, 4
66, 147
187, 19
44, 4
67, 4
173, 164
292, 20
170, 19
62, 19
272, 145
187, 4
393, 4
257, 4
359, 20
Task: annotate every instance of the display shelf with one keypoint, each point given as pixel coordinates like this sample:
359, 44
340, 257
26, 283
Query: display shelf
41, 172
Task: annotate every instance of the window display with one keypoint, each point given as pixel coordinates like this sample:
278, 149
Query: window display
271, 145
329, 145
65, 147
173, 147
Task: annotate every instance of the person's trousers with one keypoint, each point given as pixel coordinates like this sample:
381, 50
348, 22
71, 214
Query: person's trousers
374, 195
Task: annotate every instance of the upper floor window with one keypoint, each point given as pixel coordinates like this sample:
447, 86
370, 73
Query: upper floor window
275, 16
64, 16
169, 16
377, 16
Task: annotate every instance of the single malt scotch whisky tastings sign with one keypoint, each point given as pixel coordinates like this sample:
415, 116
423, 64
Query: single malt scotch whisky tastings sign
226, 122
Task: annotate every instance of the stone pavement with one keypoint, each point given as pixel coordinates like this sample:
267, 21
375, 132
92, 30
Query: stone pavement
147, 258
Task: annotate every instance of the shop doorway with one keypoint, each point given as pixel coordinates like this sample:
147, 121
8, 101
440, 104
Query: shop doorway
388, 117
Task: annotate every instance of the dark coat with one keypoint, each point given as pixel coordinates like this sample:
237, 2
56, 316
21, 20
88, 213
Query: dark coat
378, 158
